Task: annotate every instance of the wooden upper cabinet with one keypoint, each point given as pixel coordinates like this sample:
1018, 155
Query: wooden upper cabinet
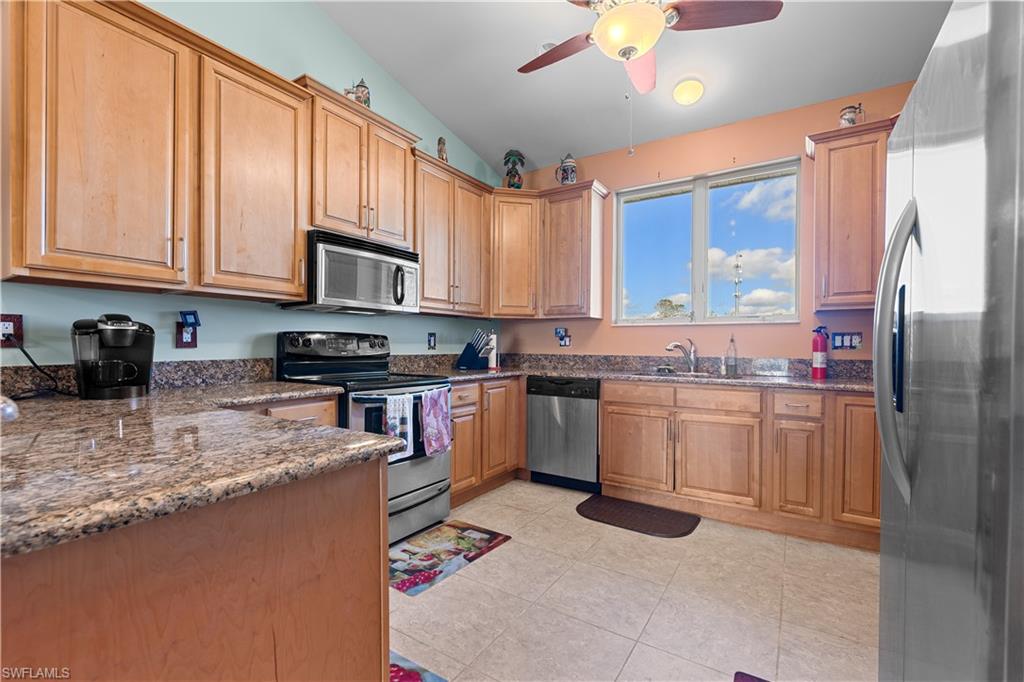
637, 446
435, 192
849, 213
570, 247
106, 167
719, 458
797, 467
470, 253
255, 187
857, 456
340, 140
515, 254
390, 182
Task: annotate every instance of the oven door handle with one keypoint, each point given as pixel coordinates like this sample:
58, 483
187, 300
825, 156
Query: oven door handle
380, 399
420, 497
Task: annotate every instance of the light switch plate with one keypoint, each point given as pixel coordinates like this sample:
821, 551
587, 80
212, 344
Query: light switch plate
431, 340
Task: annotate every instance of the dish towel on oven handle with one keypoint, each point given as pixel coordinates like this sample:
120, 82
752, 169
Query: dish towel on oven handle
436, 422
398, 420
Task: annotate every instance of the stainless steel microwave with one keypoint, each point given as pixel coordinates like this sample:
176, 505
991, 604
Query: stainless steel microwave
354, 275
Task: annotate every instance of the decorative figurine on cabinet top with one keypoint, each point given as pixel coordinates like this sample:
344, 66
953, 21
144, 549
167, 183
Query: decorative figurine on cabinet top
442, 149
566, 171
513, 160
360, 92
851, 115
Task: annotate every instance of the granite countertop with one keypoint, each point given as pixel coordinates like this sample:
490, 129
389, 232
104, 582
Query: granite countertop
72, 468
755, 381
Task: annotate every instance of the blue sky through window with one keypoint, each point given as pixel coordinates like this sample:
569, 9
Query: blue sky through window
656, 252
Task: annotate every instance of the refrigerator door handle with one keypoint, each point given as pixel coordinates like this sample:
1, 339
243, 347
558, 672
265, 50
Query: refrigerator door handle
888, 282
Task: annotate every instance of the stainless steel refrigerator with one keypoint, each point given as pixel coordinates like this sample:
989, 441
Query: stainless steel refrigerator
949, 360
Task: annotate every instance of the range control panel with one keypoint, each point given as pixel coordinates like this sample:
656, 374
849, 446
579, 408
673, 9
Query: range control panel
332, 344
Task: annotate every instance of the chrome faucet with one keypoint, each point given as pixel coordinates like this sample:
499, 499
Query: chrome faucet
690, 354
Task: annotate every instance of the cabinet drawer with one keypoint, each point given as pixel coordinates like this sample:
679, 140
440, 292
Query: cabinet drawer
632, 392
465, 394
319, 412
799, 404
719, 399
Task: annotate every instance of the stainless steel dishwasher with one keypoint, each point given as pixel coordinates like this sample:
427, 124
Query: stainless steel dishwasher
561, 426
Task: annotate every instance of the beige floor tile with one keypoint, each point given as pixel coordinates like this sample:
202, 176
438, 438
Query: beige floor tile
425, 655
543, 644
739, 584
565, 535
647, 664
831, 607
634, 554
737, 543
518, 569
471, 674
459, 616
493, 516
806, 655
714, 635
852, 567
532, 497
397, 600
610, 600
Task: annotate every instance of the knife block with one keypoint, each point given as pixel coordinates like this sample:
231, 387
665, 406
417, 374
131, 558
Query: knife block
470, 359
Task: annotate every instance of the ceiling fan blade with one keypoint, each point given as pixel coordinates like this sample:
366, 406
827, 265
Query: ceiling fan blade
558, 53
695, 15
642, 72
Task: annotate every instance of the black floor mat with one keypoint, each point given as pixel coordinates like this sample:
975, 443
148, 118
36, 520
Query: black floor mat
642, 518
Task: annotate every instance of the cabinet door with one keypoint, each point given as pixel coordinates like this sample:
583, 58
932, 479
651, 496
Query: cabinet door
514, 274
719, 458
849, 220
636, 446
498, 436
434, 215
565, 257
107, 115
797, 467
857, 462
466, 460
391, 188
339, 169
470, 254
255, 189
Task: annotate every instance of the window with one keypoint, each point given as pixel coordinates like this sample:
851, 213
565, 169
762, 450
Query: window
742, 228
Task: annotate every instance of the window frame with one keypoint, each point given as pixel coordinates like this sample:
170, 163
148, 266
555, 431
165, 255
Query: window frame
698, 186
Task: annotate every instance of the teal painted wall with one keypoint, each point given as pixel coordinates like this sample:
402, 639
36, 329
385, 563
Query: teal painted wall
293, 38
290, 38
230, 329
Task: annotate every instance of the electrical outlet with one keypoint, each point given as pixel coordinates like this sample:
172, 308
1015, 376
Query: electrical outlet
431, 340
11, 324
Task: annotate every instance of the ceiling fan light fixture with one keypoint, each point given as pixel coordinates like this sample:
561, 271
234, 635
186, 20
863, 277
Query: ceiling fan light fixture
629, 30
688, 91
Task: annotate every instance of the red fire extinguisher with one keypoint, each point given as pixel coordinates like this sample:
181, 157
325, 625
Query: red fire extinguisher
819, 353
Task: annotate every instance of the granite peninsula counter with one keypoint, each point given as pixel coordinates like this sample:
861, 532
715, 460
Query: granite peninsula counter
137, 532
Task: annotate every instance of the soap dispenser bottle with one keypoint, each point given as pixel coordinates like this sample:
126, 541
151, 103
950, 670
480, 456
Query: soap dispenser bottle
731, 358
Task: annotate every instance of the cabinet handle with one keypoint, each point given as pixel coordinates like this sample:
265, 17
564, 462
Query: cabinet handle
803, 406
824, 285
366, 216
305, 419
302, 271
180, 254
487, 401
373, 219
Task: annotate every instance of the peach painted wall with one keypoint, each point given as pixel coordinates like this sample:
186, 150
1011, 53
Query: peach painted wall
748, 142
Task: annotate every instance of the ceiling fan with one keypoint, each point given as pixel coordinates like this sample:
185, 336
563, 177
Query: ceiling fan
626, 30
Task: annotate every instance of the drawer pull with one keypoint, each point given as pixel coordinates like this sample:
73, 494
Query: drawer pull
306, 419
800, 405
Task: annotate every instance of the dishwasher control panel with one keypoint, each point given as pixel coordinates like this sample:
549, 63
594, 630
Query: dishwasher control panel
584, 389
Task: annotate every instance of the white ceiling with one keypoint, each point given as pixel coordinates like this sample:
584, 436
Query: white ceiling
460, 59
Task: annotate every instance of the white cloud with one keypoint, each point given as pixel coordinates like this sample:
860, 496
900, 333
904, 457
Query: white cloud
772, 262
766, 302
773, 199
680, 298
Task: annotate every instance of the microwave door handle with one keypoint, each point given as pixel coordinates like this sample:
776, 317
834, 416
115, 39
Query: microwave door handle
398, 285
884, 345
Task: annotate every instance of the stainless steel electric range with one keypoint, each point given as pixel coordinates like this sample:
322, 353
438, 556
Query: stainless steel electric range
419, 487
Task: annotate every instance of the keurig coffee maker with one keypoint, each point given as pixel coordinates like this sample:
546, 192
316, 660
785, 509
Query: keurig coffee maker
113, 357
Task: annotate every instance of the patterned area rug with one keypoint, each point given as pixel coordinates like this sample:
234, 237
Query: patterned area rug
404, 670
433, 555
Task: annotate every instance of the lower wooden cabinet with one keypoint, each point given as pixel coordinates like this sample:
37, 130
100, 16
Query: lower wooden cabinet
499, 427
486, 423
314, 411
858, 460
466, 447
719, 457
636, 446
797, 466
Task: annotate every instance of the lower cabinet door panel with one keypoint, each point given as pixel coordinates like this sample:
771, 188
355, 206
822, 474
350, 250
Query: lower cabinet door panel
719, 458
465, 447
857, 462
797, 467
636, 446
